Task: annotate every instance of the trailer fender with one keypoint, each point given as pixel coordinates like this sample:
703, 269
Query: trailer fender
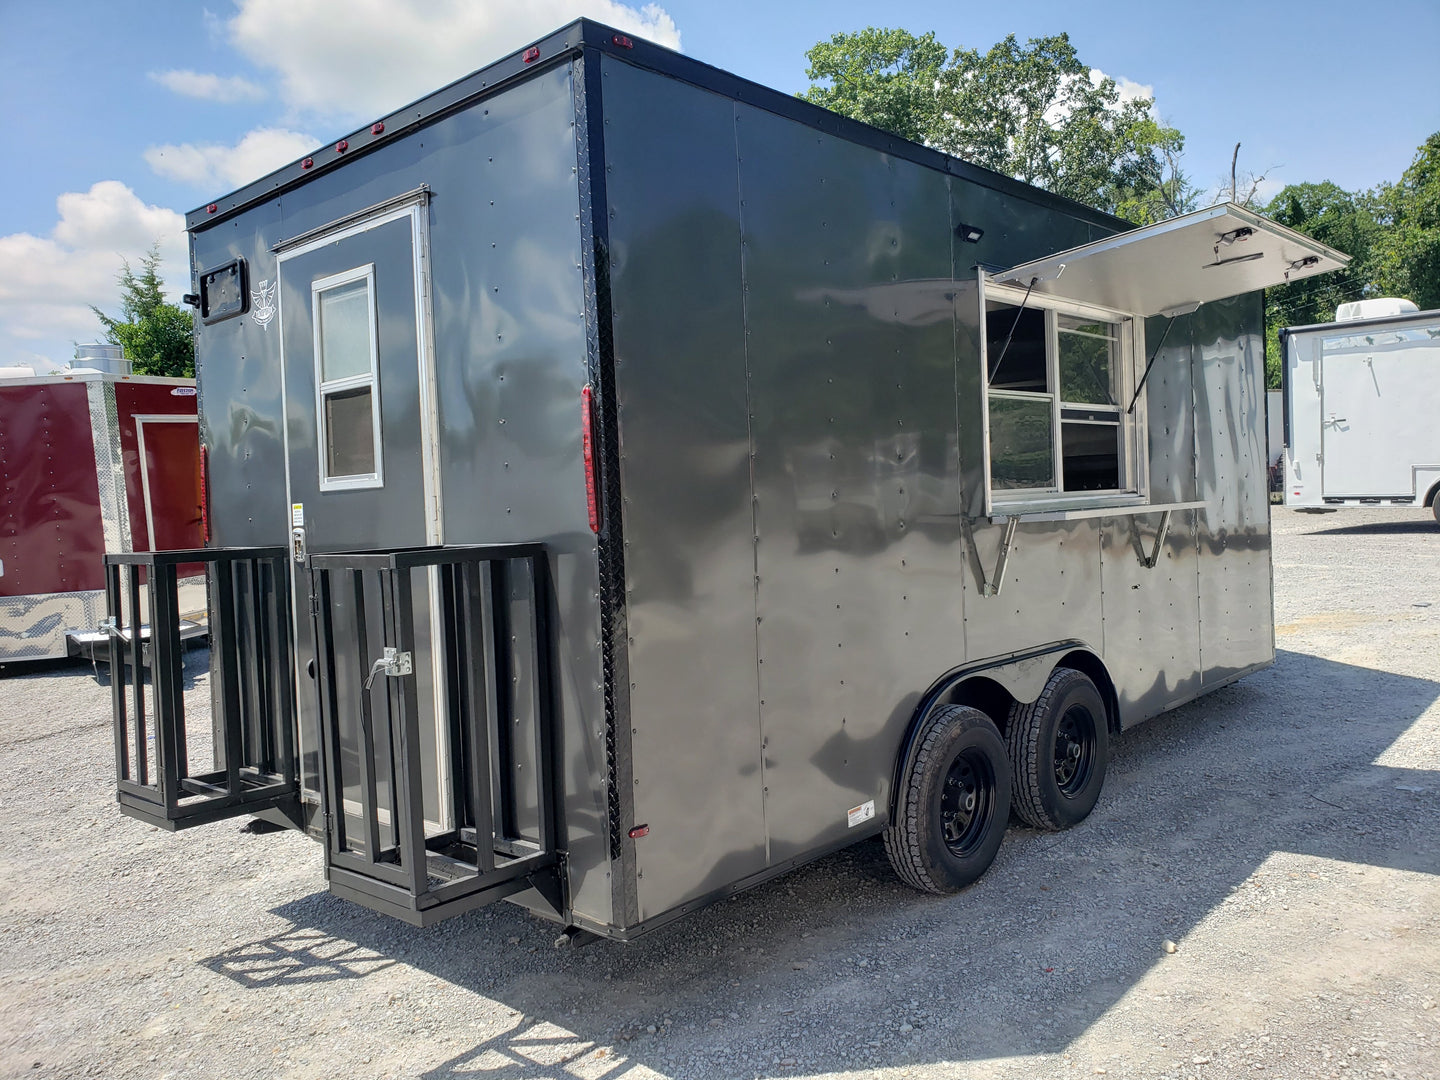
991, 686
1434, 491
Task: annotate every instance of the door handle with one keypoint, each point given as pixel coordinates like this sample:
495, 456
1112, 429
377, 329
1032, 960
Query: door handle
297, 543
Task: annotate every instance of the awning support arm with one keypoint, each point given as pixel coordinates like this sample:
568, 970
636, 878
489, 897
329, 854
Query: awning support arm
1153, 357
990, 584
1148, 560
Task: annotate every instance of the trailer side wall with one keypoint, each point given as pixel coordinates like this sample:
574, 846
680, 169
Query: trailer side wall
797, 353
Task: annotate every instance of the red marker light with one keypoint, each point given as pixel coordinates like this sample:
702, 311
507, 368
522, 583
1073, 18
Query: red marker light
639, 831
342, 146
531, 54
377, 128
587, 451
307, 163
623, 41
211, 208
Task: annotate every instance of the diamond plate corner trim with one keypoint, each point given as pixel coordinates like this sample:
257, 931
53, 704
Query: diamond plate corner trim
109, 465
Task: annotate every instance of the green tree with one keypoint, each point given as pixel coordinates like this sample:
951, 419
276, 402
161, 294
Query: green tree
1345, 220
1034, 112
157, 336
889, 79
1407, 252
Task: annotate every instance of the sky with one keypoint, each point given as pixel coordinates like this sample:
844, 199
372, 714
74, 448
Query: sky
119, 117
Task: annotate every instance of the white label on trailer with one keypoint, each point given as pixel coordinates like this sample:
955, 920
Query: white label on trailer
864, 812
297, 515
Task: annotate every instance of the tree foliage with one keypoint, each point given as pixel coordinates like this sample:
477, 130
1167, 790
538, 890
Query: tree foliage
157, 336
1391, 233
1033, 111
1345, 220
1406, 258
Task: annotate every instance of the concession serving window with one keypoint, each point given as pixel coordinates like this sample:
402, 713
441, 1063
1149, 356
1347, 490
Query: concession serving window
1064, 360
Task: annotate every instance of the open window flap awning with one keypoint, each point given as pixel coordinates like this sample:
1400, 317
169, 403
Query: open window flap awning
1174, 266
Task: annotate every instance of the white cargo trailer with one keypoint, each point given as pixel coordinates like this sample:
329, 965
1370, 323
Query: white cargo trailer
1362, 409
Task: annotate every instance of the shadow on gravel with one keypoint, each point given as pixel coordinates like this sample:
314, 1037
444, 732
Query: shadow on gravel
1418, 527
836, 966
197, 663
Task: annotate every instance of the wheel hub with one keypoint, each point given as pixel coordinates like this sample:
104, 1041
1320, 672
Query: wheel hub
1074, 750
966, 803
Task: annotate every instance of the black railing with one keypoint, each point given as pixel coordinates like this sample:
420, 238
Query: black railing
247, 735
436, 717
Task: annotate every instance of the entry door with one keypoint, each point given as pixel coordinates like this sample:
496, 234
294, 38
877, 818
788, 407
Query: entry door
359, 424
1361, 395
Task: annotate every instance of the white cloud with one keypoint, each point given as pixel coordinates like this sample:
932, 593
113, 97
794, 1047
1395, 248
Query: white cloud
362, 58
1128, 88
195, 84
215, 167
47, 283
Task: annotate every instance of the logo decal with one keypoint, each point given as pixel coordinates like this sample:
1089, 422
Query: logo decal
262, 298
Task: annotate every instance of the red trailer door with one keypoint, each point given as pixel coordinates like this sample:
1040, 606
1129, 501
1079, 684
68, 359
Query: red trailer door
170, 480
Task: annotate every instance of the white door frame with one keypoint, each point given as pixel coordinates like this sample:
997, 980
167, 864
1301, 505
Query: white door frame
415, 207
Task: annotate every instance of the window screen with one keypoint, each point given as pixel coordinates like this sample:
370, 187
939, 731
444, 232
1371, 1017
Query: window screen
346, 365
345, 331
1021, 452
1087, 360
349, 427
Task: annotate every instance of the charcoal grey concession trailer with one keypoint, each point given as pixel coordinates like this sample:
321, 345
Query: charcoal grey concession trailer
627, 483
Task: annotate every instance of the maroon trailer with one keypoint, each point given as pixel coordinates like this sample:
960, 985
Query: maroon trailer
93, 460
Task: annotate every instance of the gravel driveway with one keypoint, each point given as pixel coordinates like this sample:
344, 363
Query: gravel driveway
1283, 832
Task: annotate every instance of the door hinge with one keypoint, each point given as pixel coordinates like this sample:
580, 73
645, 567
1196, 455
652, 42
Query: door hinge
314, 605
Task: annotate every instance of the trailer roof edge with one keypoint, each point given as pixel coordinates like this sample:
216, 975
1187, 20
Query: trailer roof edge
573, 39
1379, 320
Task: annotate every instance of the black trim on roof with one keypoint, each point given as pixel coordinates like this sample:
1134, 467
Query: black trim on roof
1378, 320
585, 34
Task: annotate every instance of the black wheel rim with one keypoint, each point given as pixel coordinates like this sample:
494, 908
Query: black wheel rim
1074, 750
967, 802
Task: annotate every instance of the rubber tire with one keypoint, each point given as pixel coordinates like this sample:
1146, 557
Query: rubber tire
914, 840
1037, 798
1435, 507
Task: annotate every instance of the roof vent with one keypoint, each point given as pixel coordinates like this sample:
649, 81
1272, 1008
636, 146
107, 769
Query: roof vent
1379, 308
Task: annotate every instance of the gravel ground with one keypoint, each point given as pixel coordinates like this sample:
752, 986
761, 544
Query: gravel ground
1283, 833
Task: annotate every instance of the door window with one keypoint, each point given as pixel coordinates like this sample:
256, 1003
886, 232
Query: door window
347, 387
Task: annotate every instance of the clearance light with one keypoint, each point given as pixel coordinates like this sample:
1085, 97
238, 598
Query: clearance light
639, 831
307, 163
531, 54
211, 208
587, 450
342, 146
377, 128
622, 41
